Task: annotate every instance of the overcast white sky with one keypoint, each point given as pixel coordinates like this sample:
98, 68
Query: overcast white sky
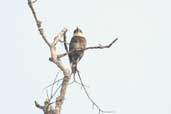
132, 77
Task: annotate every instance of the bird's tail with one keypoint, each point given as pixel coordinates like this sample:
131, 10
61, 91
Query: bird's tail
74, 69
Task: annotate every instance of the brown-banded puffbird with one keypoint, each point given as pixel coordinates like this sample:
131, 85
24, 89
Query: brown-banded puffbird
76, 46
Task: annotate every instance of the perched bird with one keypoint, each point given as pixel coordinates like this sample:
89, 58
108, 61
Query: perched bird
77, 43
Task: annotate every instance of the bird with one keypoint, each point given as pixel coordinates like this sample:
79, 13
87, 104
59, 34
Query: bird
77, 44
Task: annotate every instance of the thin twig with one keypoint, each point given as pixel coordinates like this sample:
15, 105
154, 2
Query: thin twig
92, 47
65, 44
74, 81
51, 96
78, 83
47, 94
54, 83
57, 89
92, 101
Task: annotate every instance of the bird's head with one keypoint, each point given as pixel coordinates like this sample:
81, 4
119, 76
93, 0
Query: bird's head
78, 32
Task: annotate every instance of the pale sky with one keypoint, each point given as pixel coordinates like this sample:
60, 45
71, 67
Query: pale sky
132, 77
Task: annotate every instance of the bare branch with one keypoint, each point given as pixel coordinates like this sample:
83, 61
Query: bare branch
78, 84
57, 89
54, 52
93, 47
38, 22
57, 81
65, 43
51, 94
75, 81
102, 47
92, 101
59, 36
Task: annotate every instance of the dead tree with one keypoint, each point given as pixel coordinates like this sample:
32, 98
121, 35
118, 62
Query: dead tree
56, 59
